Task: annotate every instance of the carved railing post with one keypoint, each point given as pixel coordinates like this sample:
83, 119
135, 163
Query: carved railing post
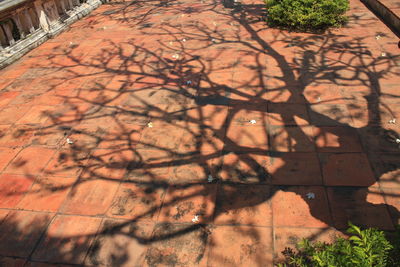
18, 23
71, 4
8, 31
43, 21
28, 21
63, 6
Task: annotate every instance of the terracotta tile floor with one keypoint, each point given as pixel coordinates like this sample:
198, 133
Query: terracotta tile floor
180, 133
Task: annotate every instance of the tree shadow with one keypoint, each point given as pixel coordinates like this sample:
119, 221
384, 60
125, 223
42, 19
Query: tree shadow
217, 119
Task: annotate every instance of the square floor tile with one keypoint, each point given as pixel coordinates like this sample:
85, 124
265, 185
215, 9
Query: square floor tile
360, 205
291, 139
386, 167
246, 138
288, 114
30, 161
90, 197
121, 243
136, 201
17, 136
184, 203
291, 206
346, 169
67, 163
20, 232
67, 239
244, 204
150, 165
337, 139
195, 168
330, 115
178, 245
12, 262
13, 188
294, 169
6, 155
37, 114
46, 194
240, 246
243, 167
107, 164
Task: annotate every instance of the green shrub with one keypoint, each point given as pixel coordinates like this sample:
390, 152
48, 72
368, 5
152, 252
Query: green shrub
307, 14
364, 248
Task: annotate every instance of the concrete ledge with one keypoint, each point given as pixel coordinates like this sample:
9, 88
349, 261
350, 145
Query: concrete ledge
385, 14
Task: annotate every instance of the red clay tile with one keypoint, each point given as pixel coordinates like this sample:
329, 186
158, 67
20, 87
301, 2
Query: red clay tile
288, 114
378, 139
244, 113
150, 138
244, 168
107, 164
16, 136
12, 262
135, 201
291, 139
150, 166
13, 188
67, 163
20, 232
121, 243
292, 207
195, 168
330, 115
324, 93
82, 138
171, 247
67, 240
3, 215
386, 167
244, 204
90, 197
11, 114
123, 136
209, 115
337, 139
360, 205
7, 97
294, 169
183, 203
346, 169
240, 246
46, 194
393, 203
203, 140
30, 161
48, 136
246, 138
6, 155
37, 114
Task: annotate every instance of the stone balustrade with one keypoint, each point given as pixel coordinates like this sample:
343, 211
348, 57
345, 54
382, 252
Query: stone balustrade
25, 24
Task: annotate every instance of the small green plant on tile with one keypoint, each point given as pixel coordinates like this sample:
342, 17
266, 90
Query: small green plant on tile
364, 248
306, 15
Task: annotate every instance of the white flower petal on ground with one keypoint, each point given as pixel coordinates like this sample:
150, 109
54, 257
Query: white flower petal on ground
310, 195
195, 219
